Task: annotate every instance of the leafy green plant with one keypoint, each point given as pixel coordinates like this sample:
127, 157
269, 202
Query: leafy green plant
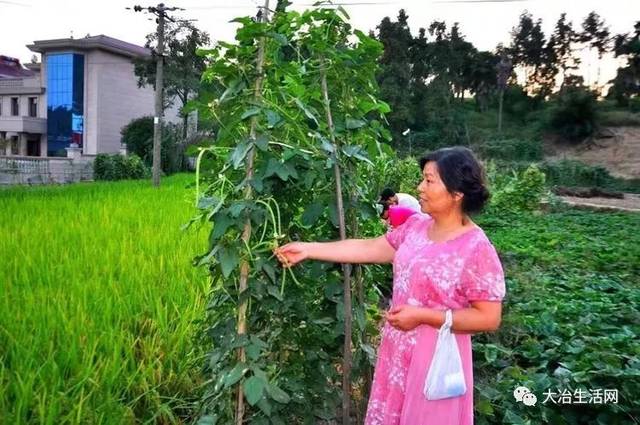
119, 167
298, 109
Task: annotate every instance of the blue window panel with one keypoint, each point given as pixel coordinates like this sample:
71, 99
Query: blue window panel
65, 101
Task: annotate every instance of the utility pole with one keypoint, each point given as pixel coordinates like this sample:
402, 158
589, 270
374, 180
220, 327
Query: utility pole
161, 12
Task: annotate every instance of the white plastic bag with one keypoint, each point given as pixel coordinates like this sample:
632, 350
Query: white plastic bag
445, 377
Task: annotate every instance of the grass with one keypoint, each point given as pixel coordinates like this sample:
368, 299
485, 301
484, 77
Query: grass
99, 305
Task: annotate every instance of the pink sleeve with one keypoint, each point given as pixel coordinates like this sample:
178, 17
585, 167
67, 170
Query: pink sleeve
483, 277
396, 236
398, 215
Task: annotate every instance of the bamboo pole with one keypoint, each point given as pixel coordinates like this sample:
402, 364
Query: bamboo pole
346, 268
246, 233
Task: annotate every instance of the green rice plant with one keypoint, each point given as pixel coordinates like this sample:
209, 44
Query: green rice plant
100, 303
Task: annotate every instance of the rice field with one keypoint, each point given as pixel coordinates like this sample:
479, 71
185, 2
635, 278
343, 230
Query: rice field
100, 304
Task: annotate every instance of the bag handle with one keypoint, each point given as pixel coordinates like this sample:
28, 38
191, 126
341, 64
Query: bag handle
448, 321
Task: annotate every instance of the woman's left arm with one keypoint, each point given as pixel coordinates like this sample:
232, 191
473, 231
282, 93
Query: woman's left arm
481, 316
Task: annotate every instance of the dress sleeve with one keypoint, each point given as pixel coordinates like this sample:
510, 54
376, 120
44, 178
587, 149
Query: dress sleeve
396, 236
483, 277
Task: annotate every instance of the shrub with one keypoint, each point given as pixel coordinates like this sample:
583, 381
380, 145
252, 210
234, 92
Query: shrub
574, 114
138, 137
512, 150
119, 167
520, 191
575, 173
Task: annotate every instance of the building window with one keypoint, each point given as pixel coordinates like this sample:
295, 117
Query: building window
65, 102
0, 106
33, 106
15, 106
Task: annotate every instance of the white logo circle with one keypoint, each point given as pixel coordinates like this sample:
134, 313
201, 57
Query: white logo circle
519, 392
529, 399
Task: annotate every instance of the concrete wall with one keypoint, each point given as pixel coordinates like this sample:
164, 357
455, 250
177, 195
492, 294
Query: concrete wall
112, 100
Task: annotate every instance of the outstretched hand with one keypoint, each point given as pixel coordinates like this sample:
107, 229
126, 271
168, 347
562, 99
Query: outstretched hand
292, 253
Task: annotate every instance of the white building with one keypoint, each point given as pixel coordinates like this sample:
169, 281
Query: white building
81, 95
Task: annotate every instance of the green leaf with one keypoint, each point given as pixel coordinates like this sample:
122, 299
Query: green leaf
207, 202
273, 118
280, 38
306, 111
239, 153
208, 420
265, 406
262, 142
253, 351
278, 394
228, 258
355, 151
274, 291
312, 213
221, 223
353, 124
323, 321
235, 374
254, 389
249, 113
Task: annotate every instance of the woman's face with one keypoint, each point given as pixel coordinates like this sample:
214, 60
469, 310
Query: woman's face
434, 196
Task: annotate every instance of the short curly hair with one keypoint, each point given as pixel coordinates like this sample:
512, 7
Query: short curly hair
461, 172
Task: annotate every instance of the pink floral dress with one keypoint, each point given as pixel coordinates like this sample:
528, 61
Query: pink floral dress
439, 275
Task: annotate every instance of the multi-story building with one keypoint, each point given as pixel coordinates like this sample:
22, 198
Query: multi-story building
80, 96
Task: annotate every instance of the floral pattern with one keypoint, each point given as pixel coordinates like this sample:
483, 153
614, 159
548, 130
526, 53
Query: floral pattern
443, 275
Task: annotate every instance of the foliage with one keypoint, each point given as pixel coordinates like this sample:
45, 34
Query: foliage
512, 150
272, 180
626, 86
569, 319
515, 193
575, 113
137, 136
182, 65
394, 76
99, 310
119, 167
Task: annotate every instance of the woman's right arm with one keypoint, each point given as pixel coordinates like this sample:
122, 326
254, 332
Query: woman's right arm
376, 250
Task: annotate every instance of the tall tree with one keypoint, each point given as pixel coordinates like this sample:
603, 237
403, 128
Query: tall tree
561, 42
530, 51
182, 65
595, 34
626, 84
394, 77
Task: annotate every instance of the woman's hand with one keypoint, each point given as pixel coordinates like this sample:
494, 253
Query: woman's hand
405, 317
292, 253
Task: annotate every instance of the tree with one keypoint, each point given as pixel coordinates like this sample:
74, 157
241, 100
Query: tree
595, 34
530, 50
182, 67
561, 42
626, 84
394, 77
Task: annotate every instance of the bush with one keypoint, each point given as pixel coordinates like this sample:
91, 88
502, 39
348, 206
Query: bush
575, 173
518, 192
119, 167
512, 150
138, 137
574, 113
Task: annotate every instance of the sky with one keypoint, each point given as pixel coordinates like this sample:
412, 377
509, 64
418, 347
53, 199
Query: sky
485, 24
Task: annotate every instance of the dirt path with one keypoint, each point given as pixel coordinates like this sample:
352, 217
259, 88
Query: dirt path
630, 203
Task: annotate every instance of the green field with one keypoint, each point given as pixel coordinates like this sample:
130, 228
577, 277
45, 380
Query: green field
98, 304
99, 318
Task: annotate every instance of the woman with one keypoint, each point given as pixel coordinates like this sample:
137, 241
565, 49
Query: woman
441, 262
